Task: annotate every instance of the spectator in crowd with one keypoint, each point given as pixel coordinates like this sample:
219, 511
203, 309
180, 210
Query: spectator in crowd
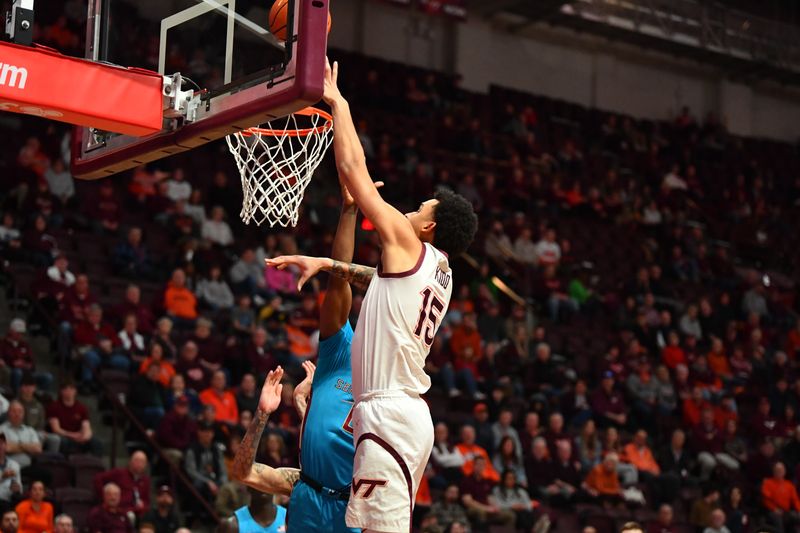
35, 514
132, 481
449, 509
566, 474
708, 444
221, 398
608, 403
476, 490
179, 302
131, 258
132, 305
177, 430
11, 483
9, 522
258, 354
738, 521
108, 517
63, 524
204, 464
779, 497
465, 345
17, 356
247, 395
69, 419
163, 515
215, 230
548, 252
243, 318
189, 366
132, 343
97, 342
446, 459
470, 451
155, 358
35, 415
213, 291
637, 453
717, 522
148, 396
247, 275
22, 442
602, 483
539, 471
700, 514
509, 457
664, 521
178, 189
509, 496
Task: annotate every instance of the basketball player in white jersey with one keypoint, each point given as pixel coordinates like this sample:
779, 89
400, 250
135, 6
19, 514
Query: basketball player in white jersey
399, 317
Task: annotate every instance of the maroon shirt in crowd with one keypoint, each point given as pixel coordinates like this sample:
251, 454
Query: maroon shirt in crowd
16, 353
479, 489
260, 359
75, 306
101, 520
706, 438
176, 431
128, 486
87, 334
70, 418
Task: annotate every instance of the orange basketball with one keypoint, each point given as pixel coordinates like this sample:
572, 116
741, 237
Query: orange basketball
278, 16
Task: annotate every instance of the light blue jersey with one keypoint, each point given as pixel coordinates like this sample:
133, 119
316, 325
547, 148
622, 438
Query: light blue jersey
326, 442
248, 525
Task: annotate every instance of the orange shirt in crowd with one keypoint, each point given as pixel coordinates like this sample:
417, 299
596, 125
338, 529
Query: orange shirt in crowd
604, 482
780, 494
692, 410
469, 453
166, 370
642, 458
466, 347
33, 521
181, 302
224, 404
718, 363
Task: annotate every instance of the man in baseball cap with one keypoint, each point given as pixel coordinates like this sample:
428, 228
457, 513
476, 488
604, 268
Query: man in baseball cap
163, 516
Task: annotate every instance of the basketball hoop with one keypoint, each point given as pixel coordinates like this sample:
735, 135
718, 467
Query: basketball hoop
276, 164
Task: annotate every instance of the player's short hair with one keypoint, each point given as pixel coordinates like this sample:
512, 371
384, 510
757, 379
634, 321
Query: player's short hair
631, 527
456, 223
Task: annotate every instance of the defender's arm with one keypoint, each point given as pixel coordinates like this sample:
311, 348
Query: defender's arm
245, 469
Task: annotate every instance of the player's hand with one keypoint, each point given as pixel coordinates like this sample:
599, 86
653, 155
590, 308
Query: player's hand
309, 266
330, 93
303, 388
347, 198
271, 392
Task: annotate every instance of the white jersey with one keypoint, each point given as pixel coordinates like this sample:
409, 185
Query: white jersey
399, 318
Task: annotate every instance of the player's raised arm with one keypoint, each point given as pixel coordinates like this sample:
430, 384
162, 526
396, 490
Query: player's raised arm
245, 469
401, 246
338, 298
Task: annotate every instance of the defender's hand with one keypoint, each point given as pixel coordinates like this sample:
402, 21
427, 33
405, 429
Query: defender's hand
271, 392
303, 388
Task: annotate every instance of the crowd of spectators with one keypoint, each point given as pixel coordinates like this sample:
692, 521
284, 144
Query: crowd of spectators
628, 343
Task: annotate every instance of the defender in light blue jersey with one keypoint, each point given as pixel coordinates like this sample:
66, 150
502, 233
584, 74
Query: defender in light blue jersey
261, 516
319, 500
321, 489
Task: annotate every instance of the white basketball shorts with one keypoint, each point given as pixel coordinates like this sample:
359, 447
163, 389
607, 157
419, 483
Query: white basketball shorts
393, 434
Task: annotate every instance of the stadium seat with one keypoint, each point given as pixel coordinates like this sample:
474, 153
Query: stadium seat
86, 467
59, 467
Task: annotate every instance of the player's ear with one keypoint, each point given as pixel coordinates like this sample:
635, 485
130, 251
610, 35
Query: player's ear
428, 228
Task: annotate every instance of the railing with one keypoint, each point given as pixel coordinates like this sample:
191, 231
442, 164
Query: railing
117, 407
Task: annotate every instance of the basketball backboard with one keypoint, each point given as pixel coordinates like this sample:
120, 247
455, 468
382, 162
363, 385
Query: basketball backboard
233, 73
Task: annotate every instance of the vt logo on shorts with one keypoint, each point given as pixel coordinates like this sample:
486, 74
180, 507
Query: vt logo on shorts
371, 484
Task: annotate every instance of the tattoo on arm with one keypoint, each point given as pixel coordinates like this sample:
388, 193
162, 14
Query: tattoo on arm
290, 476
357, 275
246, 454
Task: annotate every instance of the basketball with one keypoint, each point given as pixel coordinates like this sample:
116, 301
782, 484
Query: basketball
278, 16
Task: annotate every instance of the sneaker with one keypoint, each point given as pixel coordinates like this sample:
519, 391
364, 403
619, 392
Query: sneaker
454, 393
479, 396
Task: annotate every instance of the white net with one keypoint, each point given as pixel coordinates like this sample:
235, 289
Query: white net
276, 165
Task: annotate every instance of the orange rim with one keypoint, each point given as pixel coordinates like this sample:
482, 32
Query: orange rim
308, 112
